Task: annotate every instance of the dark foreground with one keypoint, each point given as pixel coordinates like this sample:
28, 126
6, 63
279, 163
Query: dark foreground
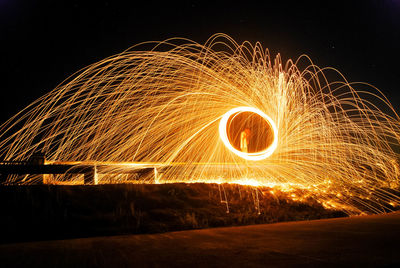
355, 242
51, 212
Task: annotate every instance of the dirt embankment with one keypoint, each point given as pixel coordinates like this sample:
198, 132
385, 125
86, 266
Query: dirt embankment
43, 212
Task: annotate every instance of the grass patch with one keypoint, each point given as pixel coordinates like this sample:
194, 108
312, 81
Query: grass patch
43, 212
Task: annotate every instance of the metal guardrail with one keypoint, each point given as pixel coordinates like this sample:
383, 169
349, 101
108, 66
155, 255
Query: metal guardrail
89, 171
21, 163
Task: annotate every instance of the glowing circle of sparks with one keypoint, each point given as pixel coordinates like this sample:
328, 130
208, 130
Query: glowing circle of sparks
255, 156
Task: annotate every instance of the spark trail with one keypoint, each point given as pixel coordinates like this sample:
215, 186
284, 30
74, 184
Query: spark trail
165, 105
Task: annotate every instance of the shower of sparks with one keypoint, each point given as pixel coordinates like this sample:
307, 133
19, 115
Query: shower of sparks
164, 105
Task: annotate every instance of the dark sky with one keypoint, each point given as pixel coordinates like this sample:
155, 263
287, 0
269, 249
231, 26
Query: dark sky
43, 42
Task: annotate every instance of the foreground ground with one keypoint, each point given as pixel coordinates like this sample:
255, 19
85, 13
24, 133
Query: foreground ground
352, 242
48, 212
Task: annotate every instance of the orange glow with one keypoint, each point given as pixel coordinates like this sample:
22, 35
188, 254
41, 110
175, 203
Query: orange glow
218, 112
267, 136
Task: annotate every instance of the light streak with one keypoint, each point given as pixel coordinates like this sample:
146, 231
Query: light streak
166, 105
249, 156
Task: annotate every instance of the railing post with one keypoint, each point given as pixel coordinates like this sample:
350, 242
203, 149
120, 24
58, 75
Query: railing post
155, 175
90, 176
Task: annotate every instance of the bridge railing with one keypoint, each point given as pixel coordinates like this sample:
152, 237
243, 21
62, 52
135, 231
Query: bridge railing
90, 171
16, 163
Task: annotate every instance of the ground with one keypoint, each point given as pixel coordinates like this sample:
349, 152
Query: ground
48, 212
342, 242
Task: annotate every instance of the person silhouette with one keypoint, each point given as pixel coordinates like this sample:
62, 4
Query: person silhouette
244, 140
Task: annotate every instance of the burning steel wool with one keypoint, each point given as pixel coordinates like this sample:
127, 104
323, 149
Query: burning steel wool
219, 112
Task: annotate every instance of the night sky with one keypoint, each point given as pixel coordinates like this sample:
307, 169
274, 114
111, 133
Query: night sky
43, 42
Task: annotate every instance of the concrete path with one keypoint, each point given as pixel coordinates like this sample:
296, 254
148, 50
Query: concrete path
371, 241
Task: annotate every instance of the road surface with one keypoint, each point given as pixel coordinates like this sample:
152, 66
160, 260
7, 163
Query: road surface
352, 242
